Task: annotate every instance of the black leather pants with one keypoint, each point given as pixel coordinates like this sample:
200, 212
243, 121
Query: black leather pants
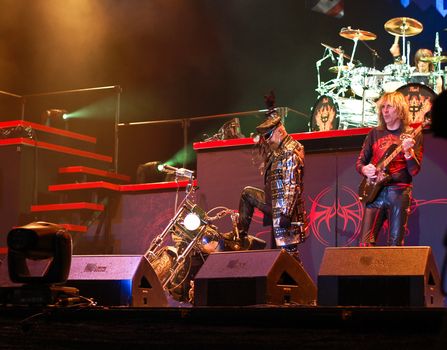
392, 203
251, 198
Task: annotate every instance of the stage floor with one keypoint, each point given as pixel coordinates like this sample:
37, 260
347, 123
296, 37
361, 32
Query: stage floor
260, 327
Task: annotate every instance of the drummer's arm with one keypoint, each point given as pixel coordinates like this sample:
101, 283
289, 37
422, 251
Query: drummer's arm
395, 49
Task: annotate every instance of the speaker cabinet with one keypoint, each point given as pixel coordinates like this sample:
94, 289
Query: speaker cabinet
379, 276
253, 277
124, 280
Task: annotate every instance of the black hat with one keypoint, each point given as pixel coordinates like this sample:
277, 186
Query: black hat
273, 119
268, 125
269, 101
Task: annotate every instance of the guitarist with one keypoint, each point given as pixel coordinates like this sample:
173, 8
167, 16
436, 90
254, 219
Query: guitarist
392, 201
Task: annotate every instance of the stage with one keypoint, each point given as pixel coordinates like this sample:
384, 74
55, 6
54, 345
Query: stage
132, 215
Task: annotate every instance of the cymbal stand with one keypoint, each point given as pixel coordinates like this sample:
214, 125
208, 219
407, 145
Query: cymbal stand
438, 52
327, 54
339, 63
405, 59
363, 105
438, 72
351, 64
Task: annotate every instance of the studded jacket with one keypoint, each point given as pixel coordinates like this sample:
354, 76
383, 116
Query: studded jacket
284, 183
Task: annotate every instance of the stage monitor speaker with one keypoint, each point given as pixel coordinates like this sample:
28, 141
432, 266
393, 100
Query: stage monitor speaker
379, 276
117, 280
253, 277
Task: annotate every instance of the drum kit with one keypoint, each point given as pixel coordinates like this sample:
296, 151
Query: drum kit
348, 100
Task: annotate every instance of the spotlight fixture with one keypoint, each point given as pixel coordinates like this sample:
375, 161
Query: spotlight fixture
55, 118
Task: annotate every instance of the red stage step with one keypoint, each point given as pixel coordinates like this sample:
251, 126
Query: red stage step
119, 188
155, 186
56, 148
83, 170
84, 186
48, 129
67, 206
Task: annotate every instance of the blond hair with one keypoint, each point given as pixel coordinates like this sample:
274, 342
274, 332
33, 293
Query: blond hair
398, 101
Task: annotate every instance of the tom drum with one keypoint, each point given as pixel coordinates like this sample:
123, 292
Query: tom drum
395, 76
366, 81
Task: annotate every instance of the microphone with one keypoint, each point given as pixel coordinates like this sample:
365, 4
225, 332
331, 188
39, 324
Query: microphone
255, 137
180, 172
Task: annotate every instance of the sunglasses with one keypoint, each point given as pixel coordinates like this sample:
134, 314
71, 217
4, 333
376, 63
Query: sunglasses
268, 134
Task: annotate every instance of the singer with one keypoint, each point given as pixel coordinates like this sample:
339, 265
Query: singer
281, 200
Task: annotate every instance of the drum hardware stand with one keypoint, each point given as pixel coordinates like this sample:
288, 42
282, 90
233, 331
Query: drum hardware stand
438, 71
365, 86
350, 64
438, 52
363, 106
405, 58
327, 54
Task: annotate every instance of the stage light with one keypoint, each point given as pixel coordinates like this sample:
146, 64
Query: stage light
39, 241
149, 172
55, 118
192, 222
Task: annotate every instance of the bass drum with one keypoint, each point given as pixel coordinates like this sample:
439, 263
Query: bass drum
333, 113
420, 99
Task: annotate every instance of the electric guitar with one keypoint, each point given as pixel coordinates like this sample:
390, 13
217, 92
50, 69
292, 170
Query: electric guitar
370, 188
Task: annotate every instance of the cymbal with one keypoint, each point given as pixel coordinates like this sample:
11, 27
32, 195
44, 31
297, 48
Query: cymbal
336, 69
337, 51
358, 34
403, 26
435, 59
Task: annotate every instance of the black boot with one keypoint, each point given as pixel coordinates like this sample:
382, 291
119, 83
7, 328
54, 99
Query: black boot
236, 240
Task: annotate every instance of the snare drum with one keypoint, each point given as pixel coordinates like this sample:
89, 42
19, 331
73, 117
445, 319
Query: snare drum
395, 76
420, 99
333, 112
366, 80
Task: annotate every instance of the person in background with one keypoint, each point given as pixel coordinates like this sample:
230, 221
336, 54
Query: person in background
423, 72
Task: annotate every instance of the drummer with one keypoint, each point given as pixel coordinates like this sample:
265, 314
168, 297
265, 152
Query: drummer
425, 68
